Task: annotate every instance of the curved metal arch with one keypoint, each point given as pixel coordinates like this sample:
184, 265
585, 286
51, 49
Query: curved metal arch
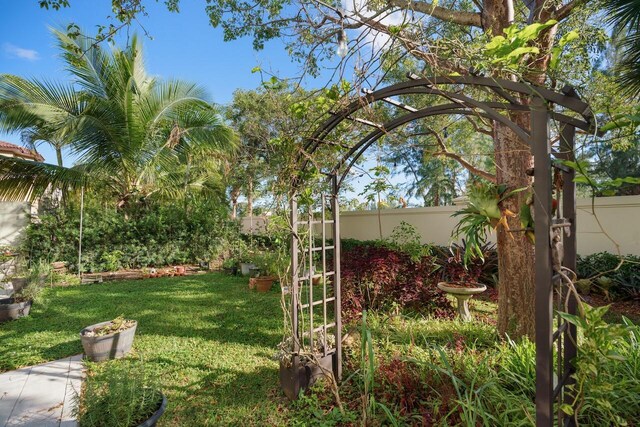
425, 86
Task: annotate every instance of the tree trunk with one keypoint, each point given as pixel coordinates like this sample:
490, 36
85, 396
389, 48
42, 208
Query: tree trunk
59, 155
235, 193
250, 198
516, 308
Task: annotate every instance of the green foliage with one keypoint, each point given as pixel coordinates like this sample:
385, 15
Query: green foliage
624, 272
406, 239
607, 370
37, 277
156, 236
117, 394
508, 50
310, 410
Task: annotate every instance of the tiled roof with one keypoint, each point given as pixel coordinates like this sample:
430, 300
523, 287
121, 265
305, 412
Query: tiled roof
18, 151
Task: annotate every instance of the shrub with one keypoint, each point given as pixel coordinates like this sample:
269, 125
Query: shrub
625, 280
376, 277
157, 236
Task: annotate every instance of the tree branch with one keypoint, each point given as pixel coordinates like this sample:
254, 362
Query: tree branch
454, 16
463, 162
564, 11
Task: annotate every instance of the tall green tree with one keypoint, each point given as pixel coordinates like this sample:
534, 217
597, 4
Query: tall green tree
131, 132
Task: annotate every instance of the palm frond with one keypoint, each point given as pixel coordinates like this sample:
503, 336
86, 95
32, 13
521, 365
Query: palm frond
26, 180
624, 16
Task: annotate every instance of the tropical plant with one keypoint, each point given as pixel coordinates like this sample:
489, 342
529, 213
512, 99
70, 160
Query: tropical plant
133, 134
625, 17
482, 213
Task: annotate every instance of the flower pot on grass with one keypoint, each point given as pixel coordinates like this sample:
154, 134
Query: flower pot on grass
108, 340
264, 283
153, 419
245, 268
122, 394
11, 309
462, 293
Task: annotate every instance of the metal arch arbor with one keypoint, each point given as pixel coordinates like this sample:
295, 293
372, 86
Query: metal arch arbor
317, 337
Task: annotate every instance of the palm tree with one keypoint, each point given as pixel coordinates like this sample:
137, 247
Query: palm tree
131, 132
625, 17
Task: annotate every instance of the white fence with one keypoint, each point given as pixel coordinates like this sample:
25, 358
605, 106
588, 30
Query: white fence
618, 216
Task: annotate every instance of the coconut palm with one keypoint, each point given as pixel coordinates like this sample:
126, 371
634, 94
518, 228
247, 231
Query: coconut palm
625, 17
130, 132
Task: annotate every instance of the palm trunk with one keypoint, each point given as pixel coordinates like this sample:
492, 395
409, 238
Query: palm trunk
59, 155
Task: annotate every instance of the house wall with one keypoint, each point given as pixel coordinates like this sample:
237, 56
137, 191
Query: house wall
14, 217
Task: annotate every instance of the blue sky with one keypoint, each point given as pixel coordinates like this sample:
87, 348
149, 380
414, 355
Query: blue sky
184, 46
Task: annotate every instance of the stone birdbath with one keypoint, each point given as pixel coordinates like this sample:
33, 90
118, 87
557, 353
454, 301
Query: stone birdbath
463, 294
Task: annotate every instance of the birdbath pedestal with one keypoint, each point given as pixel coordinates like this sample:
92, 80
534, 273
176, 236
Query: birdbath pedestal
463, 294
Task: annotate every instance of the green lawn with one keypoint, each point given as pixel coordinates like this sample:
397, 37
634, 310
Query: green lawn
208, 339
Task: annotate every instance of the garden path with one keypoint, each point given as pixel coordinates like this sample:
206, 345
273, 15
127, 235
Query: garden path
41, 395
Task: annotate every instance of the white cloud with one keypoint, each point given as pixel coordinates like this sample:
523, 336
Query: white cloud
374, 39
19, 52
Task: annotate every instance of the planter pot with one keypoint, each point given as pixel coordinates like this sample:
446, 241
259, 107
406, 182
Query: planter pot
153, 419
297, 376
462, 295
264, 283
245, 267
105, 347
11, 310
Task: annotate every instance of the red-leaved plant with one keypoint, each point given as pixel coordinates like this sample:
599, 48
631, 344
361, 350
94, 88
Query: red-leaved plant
375, 277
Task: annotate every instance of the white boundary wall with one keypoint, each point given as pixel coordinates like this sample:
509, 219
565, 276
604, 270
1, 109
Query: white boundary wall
619, 216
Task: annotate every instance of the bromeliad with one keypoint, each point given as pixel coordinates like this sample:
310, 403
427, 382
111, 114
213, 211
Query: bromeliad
482, 213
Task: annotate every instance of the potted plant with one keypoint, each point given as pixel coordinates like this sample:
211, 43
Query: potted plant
460, 277
108, 340
230, 266
119, 394
19, 303
267, 266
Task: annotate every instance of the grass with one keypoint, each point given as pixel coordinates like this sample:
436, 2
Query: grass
207, 339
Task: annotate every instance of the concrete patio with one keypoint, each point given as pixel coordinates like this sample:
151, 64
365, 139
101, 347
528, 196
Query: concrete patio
41, 395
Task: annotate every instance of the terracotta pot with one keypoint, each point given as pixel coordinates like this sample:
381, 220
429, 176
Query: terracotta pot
264, 283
